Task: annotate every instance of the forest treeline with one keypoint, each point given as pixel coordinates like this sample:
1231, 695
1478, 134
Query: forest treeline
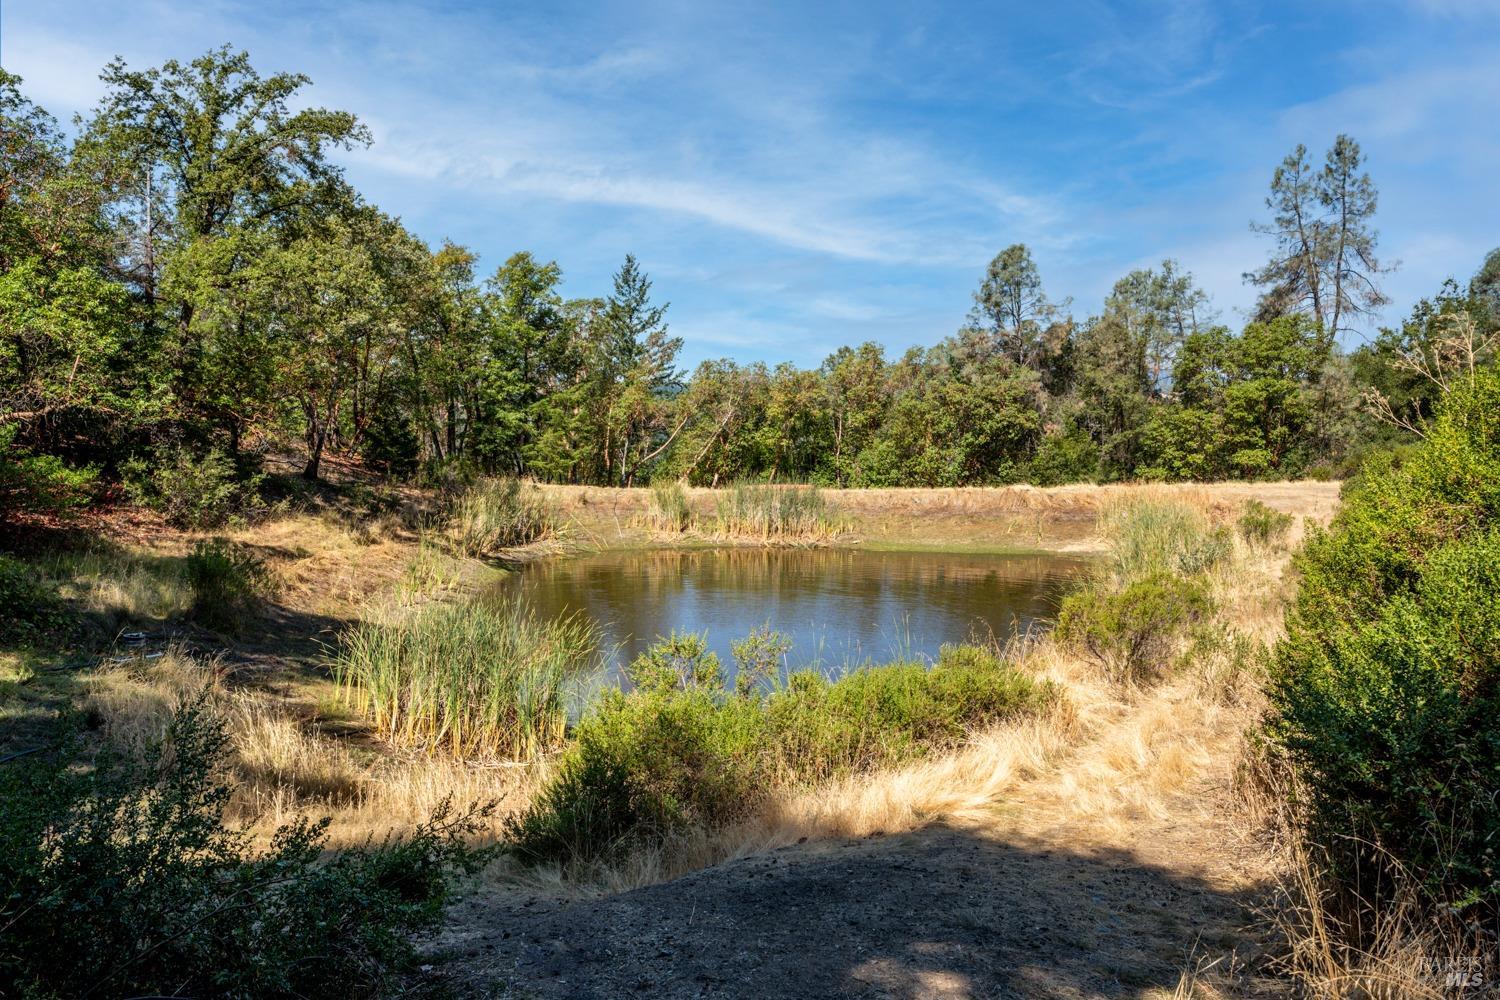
187, 279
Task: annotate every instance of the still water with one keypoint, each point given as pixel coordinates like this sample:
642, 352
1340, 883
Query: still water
840, 607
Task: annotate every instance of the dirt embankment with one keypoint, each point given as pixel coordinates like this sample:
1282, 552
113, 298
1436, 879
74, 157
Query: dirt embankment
1008, 517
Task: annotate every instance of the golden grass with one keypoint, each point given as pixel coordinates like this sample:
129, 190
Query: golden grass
1111, 764
1008, 517
134, 700
125, 585
283, 767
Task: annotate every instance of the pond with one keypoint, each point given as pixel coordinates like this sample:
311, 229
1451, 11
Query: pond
840, 607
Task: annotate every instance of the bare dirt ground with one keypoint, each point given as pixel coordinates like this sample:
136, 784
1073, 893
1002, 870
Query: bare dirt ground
1050, 891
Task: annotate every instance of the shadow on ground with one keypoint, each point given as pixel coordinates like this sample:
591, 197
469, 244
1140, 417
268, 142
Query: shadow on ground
943, 912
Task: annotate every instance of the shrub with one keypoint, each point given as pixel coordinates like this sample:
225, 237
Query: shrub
645, 765
495, 514
1386, 687
669, 509
1155, 538
31, 610
40, 484
665, 757
122, 880
758, 659
1072, 457
471, 678
1130, 632
1262, 525
885, 715
677, 663
226, 581
191, 492
776, 512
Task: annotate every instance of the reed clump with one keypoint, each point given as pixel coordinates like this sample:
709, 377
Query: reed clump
495, 514
468, 679
668, 510
788, 513
1152, 538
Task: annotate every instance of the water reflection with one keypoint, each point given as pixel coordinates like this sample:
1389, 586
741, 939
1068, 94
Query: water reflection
839, 606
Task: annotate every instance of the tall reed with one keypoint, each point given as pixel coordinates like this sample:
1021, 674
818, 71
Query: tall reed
495, 514
1162, 538
669, 509
776, 513
466, 678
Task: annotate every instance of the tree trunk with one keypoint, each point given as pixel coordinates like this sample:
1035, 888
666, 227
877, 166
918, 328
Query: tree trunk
314, 455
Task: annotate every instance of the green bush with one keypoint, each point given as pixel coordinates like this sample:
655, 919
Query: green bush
39, 484
495, 514
669, 756
191, 491
1072, 457
1130, 632
227, 580
121, 879
1262, 525
1386, 687
31, 610
880, 716
643, 766
758, 659
680, 662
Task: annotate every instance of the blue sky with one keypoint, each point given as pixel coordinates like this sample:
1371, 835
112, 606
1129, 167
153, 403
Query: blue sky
799, 176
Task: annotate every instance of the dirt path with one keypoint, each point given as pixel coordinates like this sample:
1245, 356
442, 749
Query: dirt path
1065, 888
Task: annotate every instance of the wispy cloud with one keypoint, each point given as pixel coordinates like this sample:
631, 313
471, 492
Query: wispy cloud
801, 175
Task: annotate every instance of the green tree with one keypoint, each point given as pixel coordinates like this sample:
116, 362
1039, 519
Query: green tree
854, 380
222, 152
1324, 261
1161, 309
62, 322
531, 355
639, 374
1011, 303
1485, 287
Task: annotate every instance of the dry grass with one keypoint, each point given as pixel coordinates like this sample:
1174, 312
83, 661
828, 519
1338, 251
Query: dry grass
324, 567
284, 767
1059, 517
1113, 766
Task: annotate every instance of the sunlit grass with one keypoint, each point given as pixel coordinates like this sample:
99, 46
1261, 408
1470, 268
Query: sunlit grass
496, 514
777, 513
468, 679
116, 582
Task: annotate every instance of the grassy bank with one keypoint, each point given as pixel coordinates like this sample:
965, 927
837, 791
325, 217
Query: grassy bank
662, 780
681, 754
1016, 518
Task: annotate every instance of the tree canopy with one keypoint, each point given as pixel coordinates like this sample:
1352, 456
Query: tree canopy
191, 274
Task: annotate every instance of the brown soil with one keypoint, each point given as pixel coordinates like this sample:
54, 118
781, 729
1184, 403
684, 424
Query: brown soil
1031, 897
